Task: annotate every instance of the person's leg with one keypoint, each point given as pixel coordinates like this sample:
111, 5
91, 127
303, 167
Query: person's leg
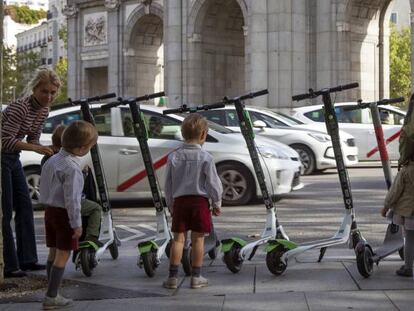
197, 251
50, 259
9, 248
93, 211
56, 272
175, 259
25, 233
407, 268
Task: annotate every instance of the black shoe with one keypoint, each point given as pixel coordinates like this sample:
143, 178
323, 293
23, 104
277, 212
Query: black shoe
33, 267
403, 271
14, 274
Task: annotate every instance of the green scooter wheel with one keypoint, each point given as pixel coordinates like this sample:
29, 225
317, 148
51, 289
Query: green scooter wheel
274, 261
149, 262
232, 260
87, 261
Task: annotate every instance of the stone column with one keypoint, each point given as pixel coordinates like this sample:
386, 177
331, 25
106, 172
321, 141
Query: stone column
71, 13
257, 50
173, 52
114, 43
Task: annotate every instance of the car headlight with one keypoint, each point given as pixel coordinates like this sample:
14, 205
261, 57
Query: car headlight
269, 152
320, 137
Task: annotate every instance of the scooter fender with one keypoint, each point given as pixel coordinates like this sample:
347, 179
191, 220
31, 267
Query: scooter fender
227, 244
88, 244
147, 246
272, 244
360, 247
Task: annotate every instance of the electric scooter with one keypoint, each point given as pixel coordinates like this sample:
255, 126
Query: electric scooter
150, 251
280, 251
394, 240
236, 250
211, 242
89, 252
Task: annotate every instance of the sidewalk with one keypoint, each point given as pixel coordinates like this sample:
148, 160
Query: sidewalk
333, 284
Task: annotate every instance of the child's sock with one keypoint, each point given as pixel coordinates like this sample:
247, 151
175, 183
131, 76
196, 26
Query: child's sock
55, 278
49, 265
196, 271
409, 249
173, 271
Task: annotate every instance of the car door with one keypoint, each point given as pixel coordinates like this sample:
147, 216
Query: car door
391, 125
132, 175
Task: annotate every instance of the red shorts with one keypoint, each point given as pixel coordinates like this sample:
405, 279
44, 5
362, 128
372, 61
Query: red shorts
191, 212
58, 230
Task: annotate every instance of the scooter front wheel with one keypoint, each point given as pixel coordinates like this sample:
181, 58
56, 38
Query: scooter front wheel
113, 250
274, 261
365, 261
232, 259
87, 260
186, 260
149, 262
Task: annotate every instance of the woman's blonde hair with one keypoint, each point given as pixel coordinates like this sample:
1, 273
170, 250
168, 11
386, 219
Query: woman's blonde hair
42, 75
193, 125
78, 134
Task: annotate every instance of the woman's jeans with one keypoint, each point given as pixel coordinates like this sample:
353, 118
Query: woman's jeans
15, 196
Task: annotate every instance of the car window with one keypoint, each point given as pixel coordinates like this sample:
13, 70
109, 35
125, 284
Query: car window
317, 115
287, 120
216, 116
102, 121
159, 126
270, 122
348, 116
231, 117
61, 119
390, 117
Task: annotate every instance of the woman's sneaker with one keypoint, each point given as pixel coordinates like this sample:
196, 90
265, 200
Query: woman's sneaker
170, 283
198, 282
403, 271
58, 302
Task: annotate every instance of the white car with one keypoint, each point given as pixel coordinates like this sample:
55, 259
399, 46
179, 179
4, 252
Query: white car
124, 168
314, 147
359, 124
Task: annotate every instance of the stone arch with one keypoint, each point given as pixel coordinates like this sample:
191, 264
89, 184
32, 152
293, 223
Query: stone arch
368, 42
136, 14
144, 47
198, 11
216, 49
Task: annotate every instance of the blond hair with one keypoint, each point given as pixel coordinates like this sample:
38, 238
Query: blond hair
78, 134
42, 75
193, 125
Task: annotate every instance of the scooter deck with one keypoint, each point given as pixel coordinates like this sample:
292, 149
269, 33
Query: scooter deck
393, 241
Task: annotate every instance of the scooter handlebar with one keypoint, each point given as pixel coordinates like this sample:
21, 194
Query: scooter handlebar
173, 110
149, 96
344, 87
313, 94
111, 105
391, 101
101, 97
301, 97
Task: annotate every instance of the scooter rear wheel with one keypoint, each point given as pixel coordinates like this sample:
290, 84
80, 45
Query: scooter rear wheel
87, 261
274, 261
149, 262
232, 260
365, 262
113, 248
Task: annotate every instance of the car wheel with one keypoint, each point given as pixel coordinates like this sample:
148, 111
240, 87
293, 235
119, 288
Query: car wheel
306, 157
238, 184
33, 181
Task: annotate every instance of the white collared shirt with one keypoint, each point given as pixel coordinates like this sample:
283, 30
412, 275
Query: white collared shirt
61, 185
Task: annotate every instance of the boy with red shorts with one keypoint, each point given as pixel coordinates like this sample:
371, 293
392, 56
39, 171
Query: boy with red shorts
61, 192
191, 180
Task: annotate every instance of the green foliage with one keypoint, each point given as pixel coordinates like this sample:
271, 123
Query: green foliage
9, 77
400, 62
26, 64
62, 71
63, 35
25, 15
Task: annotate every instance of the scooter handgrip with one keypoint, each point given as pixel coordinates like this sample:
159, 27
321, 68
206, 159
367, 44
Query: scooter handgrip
349, 86
100, 97
396, 100
174, 110
110, 105
301, 97
259, 93
149, 96
213, 106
